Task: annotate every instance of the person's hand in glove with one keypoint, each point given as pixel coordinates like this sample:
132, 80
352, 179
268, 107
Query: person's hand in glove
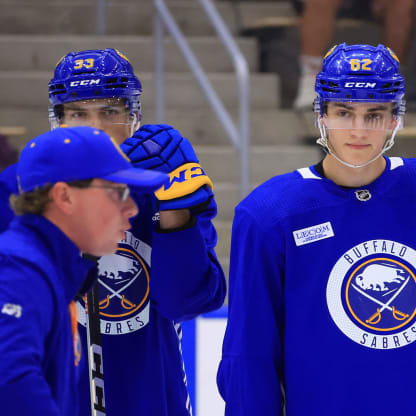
161, 147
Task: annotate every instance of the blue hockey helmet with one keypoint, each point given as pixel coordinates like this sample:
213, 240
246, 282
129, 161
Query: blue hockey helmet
94, 74
359, 73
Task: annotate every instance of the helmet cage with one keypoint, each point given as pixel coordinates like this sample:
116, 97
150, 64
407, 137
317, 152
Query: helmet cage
372, 123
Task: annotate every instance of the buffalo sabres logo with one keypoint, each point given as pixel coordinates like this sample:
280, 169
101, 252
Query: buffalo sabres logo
124, 288
371, 294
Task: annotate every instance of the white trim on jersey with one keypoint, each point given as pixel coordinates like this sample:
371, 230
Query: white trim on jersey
306, 173
395, 162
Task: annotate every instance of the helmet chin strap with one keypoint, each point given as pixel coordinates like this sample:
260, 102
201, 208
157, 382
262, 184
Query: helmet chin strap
323, 141
135, 124
53, 118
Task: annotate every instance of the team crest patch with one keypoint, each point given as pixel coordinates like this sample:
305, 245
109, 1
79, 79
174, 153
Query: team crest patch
124, 288
371, 294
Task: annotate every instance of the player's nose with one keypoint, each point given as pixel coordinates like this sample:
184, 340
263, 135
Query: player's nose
130, 208
95, 121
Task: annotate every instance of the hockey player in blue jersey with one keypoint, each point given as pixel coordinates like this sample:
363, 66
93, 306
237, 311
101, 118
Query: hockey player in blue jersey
322, 301
165, 270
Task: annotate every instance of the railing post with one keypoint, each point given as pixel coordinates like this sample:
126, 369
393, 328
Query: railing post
239, 136
245, 149
101, 17
243, 80
159, 69
203, 81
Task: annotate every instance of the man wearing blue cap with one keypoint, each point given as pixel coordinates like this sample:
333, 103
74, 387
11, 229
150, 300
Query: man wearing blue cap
165, 270
68, 203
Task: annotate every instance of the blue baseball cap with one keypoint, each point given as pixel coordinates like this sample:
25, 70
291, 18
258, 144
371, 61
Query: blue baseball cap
78, 153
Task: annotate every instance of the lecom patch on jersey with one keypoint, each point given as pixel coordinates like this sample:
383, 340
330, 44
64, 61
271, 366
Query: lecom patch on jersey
312, 234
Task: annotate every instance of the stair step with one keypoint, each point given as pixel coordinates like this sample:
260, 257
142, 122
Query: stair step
182, 90
268, 127
126, 17
221, 163
42, 52
76, 16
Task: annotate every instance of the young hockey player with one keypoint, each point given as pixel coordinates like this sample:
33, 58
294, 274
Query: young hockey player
165, 269
322, 311
67, 203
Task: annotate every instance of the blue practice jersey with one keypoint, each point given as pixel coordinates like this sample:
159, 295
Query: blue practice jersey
322, 304
153, 282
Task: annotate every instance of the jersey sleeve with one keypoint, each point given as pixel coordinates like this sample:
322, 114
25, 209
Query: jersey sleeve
187, 279
251, 368
23, 388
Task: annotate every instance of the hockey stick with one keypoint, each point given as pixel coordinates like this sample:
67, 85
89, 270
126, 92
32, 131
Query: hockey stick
95, 353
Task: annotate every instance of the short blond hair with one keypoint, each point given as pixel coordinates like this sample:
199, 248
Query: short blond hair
35, 202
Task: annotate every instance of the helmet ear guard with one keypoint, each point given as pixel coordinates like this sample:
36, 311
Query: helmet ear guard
94, 74
359, 74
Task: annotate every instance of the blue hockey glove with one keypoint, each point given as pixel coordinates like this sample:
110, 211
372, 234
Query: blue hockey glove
161, 147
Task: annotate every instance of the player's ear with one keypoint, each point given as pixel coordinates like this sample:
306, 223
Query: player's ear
393, 124
63, 196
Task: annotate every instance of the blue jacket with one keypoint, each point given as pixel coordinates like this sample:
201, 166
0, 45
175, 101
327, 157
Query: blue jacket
322, 302
41, 271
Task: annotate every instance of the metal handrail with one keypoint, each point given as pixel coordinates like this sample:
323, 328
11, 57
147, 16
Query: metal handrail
101, 17
239, 137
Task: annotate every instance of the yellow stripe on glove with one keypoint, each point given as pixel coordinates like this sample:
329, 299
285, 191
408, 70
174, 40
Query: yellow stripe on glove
183, 181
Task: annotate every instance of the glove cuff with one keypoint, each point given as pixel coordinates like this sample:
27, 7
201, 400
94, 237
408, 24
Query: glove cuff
183, 181
196, 201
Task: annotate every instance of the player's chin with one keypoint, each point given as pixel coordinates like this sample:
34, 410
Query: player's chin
359, 157
109, 248
358, 161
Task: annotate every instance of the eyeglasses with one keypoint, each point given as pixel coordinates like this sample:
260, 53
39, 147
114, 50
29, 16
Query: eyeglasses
123, 192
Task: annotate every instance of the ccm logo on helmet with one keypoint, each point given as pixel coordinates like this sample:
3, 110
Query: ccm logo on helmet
84, 82
360, 84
